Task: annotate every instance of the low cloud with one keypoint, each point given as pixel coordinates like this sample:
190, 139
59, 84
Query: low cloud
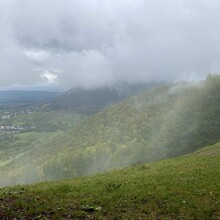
37, 56
97, 42
51, 78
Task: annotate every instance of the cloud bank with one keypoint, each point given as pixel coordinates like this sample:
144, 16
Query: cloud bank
94, 42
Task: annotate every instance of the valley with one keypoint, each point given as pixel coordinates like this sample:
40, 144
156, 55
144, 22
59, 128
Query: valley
9, 116
28, 130
162, 122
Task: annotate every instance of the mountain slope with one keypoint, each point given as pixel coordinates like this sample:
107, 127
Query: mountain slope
164, 122
186, 187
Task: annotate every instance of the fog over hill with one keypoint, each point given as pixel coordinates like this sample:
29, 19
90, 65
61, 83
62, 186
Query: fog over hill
90, 101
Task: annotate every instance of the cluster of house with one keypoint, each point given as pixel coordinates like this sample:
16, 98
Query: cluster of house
3, 117
16, 128
10, 115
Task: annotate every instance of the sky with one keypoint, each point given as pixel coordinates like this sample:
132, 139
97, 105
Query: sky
92, 43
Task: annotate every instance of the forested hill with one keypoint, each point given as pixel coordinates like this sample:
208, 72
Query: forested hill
90, 101
163, 122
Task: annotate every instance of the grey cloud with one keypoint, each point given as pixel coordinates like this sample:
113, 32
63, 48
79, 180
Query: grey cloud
95, 42
64, 26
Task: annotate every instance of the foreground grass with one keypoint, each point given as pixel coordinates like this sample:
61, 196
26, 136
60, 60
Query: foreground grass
180, 188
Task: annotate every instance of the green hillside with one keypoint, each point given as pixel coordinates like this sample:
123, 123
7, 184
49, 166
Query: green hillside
164, 122
185, 188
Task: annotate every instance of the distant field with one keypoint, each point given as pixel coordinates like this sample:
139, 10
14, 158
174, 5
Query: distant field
186, 187
18, 97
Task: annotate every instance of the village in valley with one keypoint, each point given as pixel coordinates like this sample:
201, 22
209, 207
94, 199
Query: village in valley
14, 128
7, 117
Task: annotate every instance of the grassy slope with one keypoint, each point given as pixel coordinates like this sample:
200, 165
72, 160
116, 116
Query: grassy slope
186, 187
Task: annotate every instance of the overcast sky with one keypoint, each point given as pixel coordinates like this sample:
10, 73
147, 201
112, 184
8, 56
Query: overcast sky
99, 42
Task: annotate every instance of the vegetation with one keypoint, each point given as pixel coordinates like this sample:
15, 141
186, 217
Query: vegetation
14, 147
186, 187
164, 122
50, 121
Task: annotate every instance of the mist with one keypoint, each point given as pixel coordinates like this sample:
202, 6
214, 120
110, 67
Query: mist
97, 43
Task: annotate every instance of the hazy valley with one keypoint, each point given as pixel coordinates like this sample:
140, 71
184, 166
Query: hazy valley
165, 121
49, 141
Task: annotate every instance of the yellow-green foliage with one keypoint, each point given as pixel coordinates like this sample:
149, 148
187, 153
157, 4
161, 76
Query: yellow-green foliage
164, 122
